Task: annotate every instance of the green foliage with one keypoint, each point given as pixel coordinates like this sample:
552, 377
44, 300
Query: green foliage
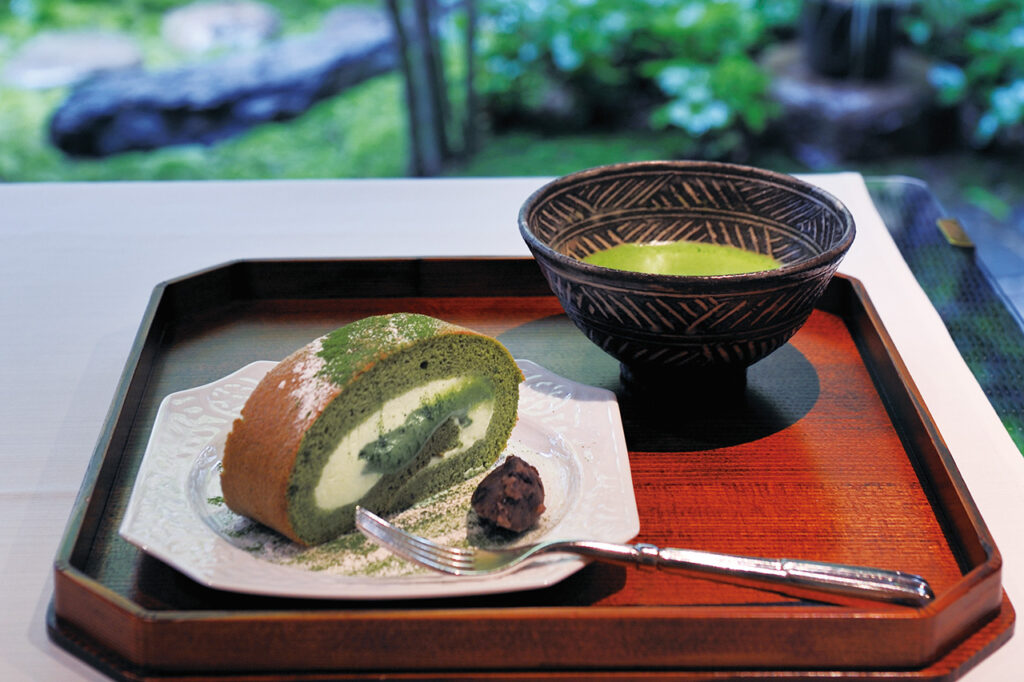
524, 153
360, 133
980, 45
585, 62
572, 64
988, 201
680, 75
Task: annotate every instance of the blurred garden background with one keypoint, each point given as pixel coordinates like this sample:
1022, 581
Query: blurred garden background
932, 89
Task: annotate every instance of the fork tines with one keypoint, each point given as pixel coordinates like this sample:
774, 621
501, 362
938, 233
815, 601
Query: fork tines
414, 548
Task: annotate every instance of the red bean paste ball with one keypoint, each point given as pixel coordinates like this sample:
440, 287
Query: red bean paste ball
511, 496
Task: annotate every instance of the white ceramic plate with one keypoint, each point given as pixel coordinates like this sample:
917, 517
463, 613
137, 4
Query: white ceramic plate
571, 432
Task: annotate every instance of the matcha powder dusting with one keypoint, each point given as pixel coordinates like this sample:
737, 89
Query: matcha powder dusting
441, 518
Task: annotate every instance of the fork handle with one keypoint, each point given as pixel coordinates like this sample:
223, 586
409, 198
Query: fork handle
820, 581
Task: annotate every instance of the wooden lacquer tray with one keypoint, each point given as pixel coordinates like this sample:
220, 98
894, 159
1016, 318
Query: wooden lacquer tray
830, 454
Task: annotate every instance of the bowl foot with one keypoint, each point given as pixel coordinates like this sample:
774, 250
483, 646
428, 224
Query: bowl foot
698, 386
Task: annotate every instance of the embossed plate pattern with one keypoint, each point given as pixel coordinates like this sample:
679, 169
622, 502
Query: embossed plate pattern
571, 432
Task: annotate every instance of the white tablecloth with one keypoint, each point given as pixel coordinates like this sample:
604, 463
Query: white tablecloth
78, 263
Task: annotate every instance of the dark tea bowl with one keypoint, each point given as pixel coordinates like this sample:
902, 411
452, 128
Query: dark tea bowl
686, 332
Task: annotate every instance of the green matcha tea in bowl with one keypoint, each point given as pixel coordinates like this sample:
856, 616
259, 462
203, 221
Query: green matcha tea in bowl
686, 272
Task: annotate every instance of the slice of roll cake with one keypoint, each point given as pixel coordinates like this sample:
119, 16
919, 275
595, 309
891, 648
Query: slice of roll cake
381, 412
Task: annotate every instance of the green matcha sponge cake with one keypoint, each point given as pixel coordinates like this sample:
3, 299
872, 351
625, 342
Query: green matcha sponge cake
380, 413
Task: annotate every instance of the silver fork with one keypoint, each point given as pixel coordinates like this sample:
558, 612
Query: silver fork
819, 581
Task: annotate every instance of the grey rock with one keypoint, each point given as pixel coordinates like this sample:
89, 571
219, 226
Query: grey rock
57, 59
203, 26
828, 120
355, 24
213, 100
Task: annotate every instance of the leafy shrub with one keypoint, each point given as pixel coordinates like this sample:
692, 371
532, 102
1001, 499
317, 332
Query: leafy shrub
584, 63
980, 48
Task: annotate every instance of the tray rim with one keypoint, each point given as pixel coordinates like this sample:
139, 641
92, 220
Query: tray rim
950, 667
68, 577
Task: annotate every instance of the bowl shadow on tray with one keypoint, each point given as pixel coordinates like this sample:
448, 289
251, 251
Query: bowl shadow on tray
779, 391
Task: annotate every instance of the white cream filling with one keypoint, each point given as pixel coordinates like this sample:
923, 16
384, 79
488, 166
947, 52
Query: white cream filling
479, 420
346, 478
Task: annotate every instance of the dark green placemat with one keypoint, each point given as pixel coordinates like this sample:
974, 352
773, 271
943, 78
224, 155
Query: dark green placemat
981, 322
